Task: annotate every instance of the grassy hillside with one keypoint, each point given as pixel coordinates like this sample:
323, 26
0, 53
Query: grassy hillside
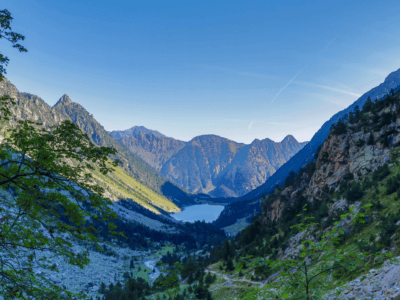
120, 185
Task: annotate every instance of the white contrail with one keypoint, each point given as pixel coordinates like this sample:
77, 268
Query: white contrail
280, 91
328, 88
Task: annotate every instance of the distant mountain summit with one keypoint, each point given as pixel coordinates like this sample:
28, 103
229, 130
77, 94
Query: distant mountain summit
253, 165
135, 130
64, 100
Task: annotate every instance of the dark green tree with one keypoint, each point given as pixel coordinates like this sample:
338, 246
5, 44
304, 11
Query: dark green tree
229, 265
371, 140
226, 250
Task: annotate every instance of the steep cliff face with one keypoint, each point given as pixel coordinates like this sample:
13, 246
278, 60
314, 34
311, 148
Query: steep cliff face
30, 107
199, 163
153, 149
254, 164
346, 157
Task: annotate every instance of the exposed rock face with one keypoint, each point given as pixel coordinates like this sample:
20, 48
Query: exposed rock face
153, 149
199, 163
30, 107
254, 164
378, 284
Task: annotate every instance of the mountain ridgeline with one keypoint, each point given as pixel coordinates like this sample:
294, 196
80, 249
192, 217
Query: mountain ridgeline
32, 107
210, 164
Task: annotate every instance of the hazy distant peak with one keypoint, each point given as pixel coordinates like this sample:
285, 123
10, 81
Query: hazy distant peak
289, 138
135, 130
64, 100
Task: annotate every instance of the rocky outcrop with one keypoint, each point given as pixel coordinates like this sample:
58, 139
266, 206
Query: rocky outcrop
197, 166
378, 284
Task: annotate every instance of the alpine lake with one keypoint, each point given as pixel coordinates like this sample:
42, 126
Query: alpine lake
193, 213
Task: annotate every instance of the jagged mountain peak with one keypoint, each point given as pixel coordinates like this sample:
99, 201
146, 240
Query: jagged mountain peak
64, 100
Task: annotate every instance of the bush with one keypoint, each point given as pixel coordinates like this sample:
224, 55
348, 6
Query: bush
360, 143
381, 173
354, 192
339, 128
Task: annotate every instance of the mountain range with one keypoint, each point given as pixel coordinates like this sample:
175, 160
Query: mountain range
210, 164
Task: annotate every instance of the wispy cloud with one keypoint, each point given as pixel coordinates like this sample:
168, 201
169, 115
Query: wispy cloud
239, 73
251, 124
329, 43
328, 88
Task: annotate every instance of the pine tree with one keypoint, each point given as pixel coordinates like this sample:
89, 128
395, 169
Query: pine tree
371, 140
226, 251
229, 265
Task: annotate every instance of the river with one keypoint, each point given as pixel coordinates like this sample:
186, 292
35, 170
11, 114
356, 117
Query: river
151, 264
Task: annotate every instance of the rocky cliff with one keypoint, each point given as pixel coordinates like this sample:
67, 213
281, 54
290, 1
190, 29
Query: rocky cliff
253, 165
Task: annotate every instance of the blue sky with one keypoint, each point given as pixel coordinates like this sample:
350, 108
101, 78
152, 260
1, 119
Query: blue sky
239, 69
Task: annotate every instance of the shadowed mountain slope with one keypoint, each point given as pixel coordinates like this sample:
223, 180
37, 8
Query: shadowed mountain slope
155, 150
